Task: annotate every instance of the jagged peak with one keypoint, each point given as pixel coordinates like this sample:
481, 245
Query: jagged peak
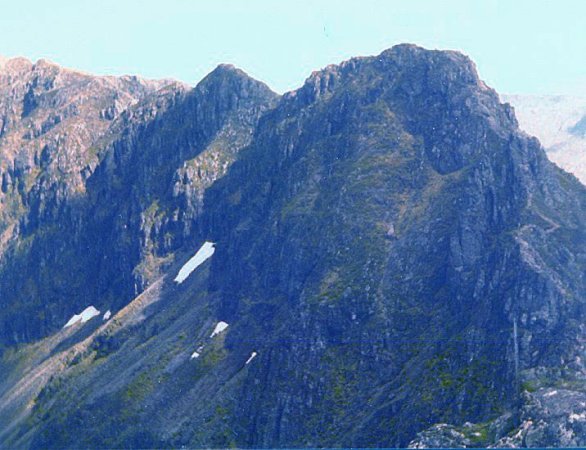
402, 60
229, 75
227, 67
42, 62
22, 64
228, 71
455, 61
17, 63
46, 67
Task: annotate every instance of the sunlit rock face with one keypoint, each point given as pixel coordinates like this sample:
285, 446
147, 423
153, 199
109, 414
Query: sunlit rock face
399, 264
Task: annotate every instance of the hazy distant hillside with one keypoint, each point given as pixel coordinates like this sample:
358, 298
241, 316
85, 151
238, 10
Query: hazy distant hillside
560, 124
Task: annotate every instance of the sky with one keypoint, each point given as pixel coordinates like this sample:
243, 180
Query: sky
519, 46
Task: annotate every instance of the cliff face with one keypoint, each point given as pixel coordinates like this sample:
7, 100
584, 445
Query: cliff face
51, 123
102, 179
391, 254
49, 119
405, 229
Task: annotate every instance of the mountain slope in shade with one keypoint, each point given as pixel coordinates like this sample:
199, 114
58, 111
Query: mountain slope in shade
560, 124
52, 123
395, 263
93, 204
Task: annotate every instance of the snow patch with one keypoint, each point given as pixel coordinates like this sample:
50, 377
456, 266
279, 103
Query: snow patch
107, 315
221, 326
197, 353
252, 356
85, 315
206, 250
577, 417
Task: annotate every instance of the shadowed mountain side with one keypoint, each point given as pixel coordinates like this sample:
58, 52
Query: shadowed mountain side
139, 204
396, 264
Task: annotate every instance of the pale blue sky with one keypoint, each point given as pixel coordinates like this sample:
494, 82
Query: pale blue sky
519, 46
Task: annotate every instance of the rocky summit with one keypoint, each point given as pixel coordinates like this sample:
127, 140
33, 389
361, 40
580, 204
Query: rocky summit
379, 258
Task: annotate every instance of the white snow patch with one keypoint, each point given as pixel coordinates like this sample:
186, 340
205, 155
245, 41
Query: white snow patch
577, 417
107, 315
221, 326
85, 315
252, 356
194, 355
206, 250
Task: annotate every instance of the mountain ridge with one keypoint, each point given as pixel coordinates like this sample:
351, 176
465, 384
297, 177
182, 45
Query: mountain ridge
391, 252
66, 168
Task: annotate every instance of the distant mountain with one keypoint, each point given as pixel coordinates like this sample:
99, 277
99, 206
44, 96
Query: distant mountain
560, 124
379, 258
